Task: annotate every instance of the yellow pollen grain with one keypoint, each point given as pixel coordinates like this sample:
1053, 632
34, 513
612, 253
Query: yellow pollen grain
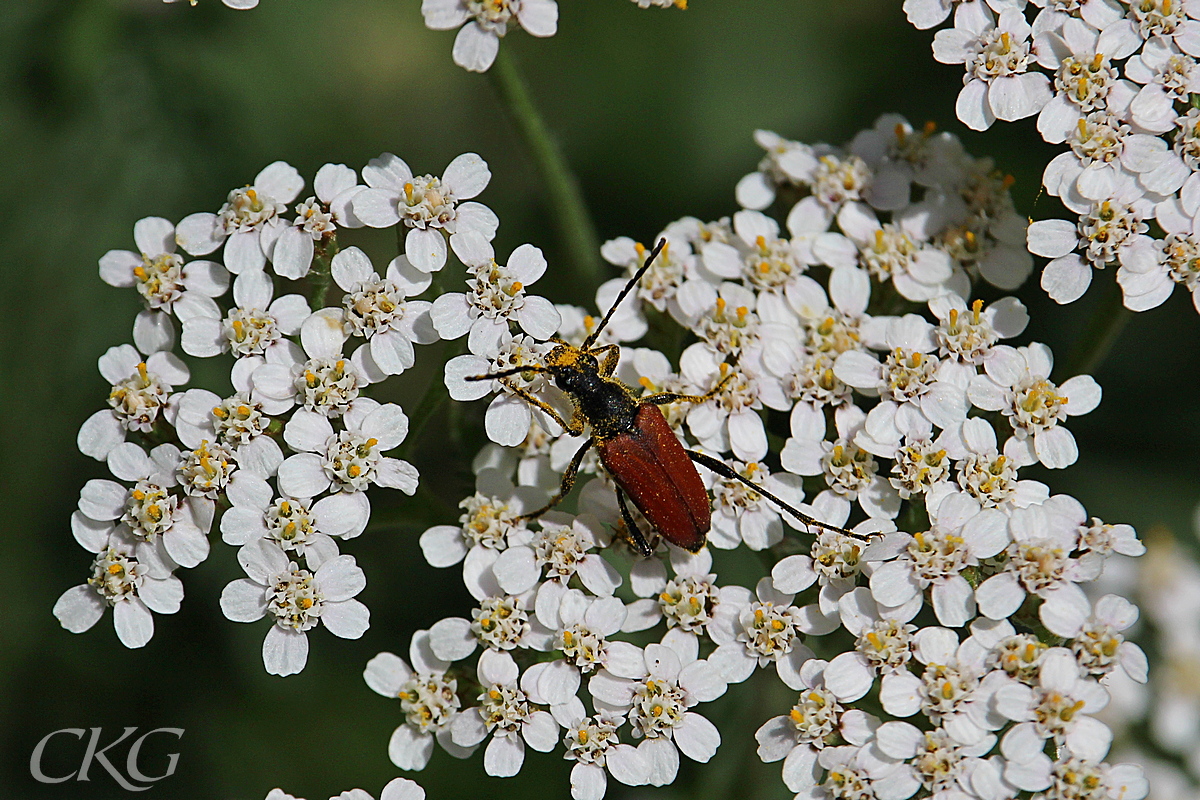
930, 127
114, 569
879, 240
371, 442
721, 305
219, 412
138, 494
243, 411
583, 736
139, 273
408, 191
354, 470
947, 690
797, 716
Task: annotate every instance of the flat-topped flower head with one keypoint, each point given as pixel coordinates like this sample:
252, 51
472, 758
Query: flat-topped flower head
656, 693
347, 460
141, 396
166, 282
295, 599
1017, 384
133, 578
498, 294
508, 714
248, 224
427, 205
428, 699
154, 509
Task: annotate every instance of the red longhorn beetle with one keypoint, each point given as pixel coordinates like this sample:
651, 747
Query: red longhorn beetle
636, 445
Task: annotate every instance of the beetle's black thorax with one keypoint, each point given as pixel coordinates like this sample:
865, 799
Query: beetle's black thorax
604, 404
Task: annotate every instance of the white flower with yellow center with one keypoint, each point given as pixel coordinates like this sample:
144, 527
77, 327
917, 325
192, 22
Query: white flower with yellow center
910, 377
507, 713
560, 551
295, 600
997, 55
741, 514
499, 622
657, 692
730, 421
1058, 707
1105, 232
317, 220
295, 524
755, 631
722, 316
961, 535
758, 256
498, 294
814, 722
141, 396
1168, 76
256, 326
486, 22
426, 205
1017, 384
898, 251
884, 645
326, 382
954, 691
675, 264
167, 283
1152, 268
349, 460
428, 698
850, 471
592, 743
248, 224
991, 476
378, 309
1095, 636
153, 510
134, 578
490, 519
1041, 558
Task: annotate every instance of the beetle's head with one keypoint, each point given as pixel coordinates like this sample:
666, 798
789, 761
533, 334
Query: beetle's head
573, 369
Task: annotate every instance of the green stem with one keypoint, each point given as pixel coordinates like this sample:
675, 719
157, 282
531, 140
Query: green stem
1109, 318
321, 274
431, 402
565, 197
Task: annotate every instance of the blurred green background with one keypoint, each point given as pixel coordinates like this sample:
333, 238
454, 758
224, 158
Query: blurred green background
111, 110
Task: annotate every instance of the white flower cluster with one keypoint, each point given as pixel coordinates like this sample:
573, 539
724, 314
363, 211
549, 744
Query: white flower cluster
959, 595
1115, 82
279, 462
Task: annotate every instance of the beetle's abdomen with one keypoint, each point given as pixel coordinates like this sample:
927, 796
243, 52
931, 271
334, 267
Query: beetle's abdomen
650, 464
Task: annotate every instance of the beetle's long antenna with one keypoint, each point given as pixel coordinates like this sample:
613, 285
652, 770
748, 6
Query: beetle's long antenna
507, 373
637, 276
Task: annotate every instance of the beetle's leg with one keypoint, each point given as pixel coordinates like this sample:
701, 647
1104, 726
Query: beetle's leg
663, 398
636, 537
574, 427
568, 481
727, 472
612, 356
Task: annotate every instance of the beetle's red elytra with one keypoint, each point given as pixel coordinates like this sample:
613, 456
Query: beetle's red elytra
650, 465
